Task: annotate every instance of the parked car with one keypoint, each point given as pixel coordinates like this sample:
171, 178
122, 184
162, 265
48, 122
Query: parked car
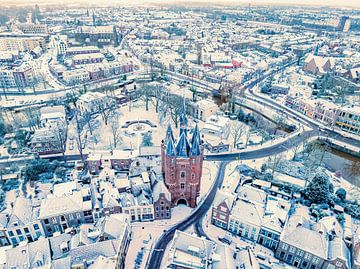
225, 239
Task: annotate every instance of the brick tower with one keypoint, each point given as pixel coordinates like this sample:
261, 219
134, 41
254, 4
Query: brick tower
182, 164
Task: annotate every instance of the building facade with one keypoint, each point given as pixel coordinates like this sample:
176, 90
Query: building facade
182, 164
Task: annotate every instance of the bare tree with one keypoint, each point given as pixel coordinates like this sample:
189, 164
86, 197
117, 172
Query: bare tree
79, 140
279, 121
248, 134
86, 117
115, 129
323, 148
295, 150
158, 94
60, 132
105, 109
353, 168
172, 105
146, 93
71, 98
32, 116
236, 131
274, 162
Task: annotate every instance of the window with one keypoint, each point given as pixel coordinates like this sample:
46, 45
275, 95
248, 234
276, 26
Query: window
36, 226
14, 241
26, 230
289, 258
182, 185
11, 233
192, 176
38, 234
182, 174
316, 260
18, 231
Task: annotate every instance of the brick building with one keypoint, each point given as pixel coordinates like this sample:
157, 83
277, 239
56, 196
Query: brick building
182, 164
221, 209
162, 201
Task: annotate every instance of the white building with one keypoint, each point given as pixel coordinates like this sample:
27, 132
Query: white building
90, 102
218, 126
52, 116
203, 109
72, 77
245, 219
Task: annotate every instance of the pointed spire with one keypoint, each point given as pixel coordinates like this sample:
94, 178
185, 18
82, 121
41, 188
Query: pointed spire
170, 148
195, 147
183, 147
169, 134
94, 18
196, 134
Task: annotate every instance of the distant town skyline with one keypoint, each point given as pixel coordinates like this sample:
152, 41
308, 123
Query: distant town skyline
344, 3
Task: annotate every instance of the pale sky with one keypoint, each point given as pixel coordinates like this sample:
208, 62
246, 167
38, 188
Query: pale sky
337, 3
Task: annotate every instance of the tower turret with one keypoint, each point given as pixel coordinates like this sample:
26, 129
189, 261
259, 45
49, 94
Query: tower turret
183, 147
182, 164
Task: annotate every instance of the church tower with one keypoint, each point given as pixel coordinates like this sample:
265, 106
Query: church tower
182, 164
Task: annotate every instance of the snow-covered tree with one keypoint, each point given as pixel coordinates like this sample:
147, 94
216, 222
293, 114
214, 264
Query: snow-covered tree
318, 190
147, 140
341, 193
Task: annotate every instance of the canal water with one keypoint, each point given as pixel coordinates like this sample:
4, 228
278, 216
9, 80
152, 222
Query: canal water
336, 160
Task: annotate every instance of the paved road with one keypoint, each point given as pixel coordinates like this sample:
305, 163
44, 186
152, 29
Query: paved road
264, 152
158, 253
334, 134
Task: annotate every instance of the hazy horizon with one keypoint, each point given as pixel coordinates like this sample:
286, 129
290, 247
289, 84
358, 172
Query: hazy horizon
334, 3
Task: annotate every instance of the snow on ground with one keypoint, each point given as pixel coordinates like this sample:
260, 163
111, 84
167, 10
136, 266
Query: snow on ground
131, 137
210, 169
352, 191
289, 179
145, 234
213, 232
